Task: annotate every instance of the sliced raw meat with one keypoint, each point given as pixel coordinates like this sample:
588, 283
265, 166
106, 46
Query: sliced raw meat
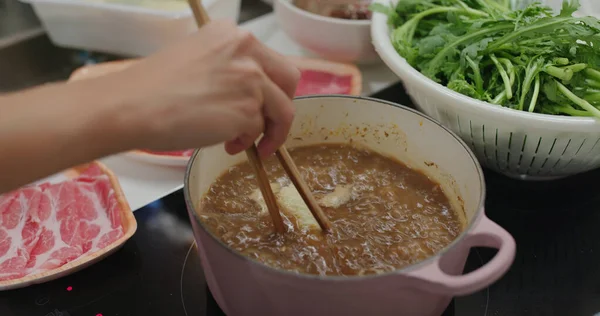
318, 82
325, 77
60, 257
45, 226
5, 242
44, 242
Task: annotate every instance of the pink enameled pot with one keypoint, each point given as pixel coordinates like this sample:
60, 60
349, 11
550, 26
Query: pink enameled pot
242, 286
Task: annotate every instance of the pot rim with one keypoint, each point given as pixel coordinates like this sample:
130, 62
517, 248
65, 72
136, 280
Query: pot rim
412, 267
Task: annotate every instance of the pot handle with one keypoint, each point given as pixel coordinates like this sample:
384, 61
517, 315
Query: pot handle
485, 234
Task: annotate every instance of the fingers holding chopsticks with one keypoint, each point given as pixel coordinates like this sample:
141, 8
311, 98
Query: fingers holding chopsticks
277, 87
279, 109
219, 85
276, 66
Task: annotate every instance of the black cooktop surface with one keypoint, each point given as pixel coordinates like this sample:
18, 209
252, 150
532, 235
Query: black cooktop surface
157, 272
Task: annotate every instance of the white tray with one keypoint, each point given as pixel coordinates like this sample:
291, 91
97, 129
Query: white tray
121, 28
144, 183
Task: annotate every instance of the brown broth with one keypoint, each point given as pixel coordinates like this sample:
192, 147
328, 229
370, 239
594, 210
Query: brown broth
395, 216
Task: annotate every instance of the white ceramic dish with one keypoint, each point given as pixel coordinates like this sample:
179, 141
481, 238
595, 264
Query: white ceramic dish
127, 30
332, 38
161, 160
242, 286
516, 143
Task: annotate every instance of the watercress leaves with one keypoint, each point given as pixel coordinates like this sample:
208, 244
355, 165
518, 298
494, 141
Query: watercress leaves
526, 59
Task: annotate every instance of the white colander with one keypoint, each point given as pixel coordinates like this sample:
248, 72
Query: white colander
518, 144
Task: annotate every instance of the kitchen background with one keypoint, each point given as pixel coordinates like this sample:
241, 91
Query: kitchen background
158, 273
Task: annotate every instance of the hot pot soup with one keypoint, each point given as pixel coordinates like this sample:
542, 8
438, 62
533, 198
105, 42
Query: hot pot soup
385, 215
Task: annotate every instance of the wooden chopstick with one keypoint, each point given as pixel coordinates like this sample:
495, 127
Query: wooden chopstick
284, 157
202, 18
199, 12
290, 168
265, 188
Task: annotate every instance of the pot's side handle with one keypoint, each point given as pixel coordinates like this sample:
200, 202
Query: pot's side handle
485, 234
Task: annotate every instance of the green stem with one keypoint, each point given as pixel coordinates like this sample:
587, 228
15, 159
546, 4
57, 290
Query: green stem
571, 111
462, 4
592, 83
519, 18
499, 98
477, 74
561, 61
441, 54
504, 75
575, 67
531, 72
510, 69
593, 74
409, 27
531, 28
536, 92
592, 96
560, 73
549, 40
575, 99
536, 40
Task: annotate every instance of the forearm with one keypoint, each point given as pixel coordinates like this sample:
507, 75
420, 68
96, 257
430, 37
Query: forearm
51, 128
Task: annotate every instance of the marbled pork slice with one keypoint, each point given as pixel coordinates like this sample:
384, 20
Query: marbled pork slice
45, 226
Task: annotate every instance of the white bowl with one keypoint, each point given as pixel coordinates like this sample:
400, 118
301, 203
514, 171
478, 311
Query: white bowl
331, 38
516, 143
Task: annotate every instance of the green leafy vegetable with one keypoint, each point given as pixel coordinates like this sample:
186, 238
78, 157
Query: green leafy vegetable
527, 59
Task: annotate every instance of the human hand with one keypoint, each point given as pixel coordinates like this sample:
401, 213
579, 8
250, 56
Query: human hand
218, 85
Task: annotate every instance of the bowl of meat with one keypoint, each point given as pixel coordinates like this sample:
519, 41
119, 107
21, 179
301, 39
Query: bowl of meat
405, 198
335, 30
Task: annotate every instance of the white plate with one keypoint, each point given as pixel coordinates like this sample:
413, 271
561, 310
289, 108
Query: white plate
161, 160
145, 182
